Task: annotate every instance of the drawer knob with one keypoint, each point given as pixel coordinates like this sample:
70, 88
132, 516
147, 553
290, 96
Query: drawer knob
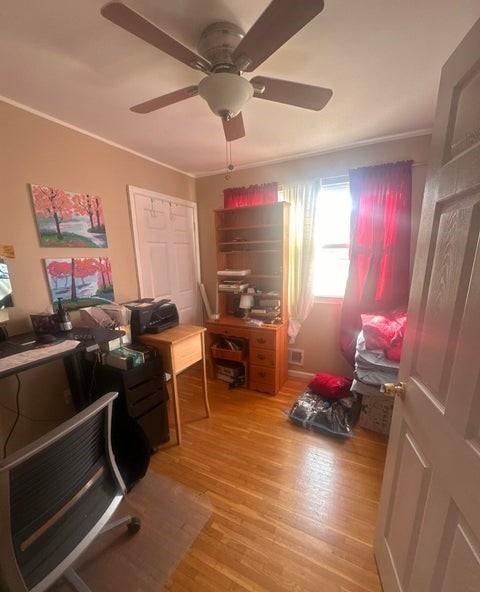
262, 374
260, 356
261, 340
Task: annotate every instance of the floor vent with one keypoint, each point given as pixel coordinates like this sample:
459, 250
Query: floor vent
295, 356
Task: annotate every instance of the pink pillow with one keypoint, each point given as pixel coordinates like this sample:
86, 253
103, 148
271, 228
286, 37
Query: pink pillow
378, 331
385, 332
330, 386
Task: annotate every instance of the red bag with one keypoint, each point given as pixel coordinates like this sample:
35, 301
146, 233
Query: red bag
330, 386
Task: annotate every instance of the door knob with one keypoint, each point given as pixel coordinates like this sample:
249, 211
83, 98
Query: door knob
392, 389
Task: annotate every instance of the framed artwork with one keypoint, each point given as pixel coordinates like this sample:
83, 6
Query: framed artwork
68, 219
80, 281
6, 299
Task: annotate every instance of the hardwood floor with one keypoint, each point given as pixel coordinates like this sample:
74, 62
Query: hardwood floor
293, 511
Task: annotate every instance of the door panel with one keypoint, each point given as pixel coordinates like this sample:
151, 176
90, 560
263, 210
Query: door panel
452, 254
407, 505
466, 127
160, 278
428, 531
182, 245
458, 563
165, 242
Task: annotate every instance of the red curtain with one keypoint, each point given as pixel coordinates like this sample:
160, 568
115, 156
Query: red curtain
255, 195
379, 273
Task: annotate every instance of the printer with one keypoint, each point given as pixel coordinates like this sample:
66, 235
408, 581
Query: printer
151, 316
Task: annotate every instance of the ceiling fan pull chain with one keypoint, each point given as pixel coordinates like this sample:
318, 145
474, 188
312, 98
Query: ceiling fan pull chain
228, 159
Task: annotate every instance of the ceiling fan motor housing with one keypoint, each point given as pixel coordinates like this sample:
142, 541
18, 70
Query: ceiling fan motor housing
217, 44
225, 93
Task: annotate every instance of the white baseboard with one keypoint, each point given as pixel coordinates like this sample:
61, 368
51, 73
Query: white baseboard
300, 374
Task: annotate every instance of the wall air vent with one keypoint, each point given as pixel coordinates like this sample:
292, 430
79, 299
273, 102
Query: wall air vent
295, 356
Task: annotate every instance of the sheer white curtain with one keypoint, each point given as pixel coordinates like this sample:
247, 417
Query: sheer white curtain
303, 199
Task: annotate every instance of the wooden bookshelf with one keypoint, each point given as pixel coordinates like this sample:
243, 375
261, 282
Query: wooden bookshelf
255, 238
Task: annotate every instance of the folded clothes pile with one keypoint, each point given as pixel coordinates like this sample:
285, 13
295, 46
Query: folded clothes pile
385, 332
327, 406
379, 347
372, 366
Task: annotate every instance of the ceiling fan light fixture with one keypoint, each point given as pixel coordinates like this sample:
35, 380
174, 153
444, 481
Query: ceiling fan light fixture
225, 93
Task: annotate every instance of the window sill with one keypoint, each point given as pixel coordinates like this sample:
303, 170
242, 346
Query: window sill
328, 299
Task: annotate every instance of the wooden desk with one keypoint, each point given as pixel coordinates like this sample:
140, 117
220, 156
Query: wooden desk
72, 358
181, 347
267, 351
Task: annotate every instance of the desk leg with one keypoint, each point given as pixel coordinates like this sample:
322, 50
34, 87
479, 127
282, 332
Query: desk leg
176, 407
76, 381
204, 369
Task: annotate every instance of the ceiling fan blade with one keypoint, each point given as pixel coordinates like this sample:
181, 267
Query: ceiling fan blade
276, 25
292, 93
165, 100
234, 128
134, 23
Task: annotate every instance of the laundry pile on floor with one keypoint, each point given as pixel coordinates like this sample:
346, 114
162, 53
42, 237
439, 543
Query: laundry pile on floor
332, 404
327, 405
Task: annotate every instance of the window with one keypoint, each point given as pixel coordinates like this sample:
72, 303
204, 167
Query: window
332, 232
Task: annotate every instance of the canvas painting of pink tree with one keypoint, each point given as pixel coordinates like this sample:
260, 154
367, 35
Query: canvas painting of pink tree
68, 219
80, 281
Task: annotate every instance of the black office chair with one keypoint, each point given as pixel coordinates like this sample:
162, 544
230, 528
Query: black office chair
56, 496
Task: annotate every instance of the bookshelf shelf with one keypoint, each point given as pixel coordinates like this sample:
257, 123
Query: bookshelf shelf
249, 227
250, 251
251, 242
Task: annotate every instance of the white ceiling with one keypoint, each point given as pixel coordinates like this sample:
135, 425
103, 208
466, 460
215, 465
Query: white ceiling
382, 58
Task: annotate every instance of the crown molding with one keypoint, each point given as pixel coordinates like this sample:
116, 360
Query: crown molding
201, 174
90, 134
316, 152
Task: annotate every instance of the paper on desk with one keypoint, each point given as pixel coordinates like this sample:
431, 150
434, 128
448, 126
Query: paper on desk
33, 355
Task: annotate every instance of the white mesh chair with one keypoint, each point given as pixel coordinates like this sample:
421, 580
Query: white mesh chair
56, 496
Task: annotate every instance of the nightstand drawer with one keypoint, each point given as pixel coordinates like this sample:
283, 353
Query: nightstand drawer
263, 357
263, 339
262, 374
226, 330
263, 387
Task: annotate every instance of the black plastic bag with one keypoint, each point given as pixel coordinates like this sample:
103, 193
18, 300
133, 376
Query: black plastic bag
334, 417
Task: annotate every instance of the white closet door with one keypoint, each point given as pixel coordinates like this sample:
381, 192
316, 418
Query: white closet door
166, 250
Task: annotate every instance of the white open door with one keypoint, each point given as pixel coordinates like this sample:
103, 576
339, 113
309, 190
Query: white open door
166, 248
428, 534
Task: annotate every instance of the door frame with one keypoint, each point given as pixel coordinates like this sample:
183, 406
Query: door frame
133, 193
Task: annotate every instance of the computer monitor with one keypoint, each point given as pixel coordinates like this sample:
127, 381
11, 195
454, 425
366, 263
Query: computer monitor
6, 292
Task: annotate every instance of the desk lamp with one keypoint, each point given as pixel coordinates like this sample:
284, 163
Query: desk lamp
246, 303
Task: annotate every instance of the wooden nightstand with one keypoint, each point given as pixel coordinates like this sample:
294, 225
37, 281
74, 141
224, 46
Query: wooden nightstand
181, 347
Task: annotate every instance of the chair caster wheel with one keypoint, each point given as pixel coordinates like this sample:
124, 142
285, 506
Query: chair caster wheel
134, 525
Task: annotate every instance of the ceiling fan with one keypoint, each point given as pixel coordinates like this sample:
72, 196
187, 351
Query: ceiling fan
225, 53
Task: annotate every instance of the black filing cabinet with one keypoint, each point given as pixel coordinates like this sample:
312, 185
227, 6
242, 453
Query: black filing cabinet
143, 396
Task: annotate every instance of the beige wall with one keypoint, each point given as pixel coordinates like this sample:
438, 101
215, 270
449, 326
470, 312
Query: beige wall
319, 336
35, 150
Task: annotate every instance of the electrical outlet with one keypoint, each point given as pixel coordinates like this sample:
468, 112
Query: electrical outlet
67, 396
